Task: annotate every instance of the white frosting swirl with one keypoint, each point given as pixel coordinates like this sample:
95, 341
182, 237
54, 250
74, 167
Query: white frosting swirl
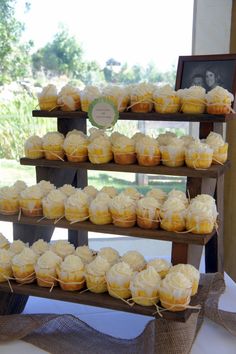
54, 198
46, 186
90, 93
53, 138
202, 210
75, 140
219, 94
33, 141
49, 90
215, 140
165, 138
147, 144
32, 192
176, 284
187, 270
27, 256
131, 192
175, 193
48, 260
40, 246
17, 246
158, 194
111, 255
119, 273
8, 193
135, 259
123, 202
90, 191
19, 186
111, 191
79, 200
67, 189
85, 254
123, 142
174, 205
72, 263
196, 92
98, 267
159, 264
62, 248
148, 280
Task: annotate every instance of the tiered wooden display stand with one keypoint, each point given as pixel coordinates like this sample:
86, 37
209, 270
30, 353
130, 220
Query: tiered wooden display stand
186, 247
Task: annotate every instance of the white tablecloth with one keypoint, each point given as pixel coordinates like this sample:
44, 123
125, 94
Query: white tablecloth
212, 339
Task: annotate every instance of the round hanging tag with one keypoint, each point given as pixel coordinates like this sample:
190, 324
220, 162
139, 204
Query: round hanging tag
102, 113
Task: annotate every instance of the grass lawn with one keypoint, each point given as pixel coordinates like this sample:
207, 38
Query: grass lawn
11, 170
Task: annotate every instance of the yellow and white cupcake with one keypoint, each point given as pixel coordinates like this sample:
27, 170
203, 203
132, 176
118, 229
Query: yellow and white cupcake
157, 194
5, 265
192, 99
77, 207
99, 210
201, 217
67, 189
48, 98
70, 273
187, 140
100, 151
132, 192
4, 243
69, 98
85, 254
173, 214
190, 272
166, 100
9, 201
161, 265
45, 269
31, 201
95, 133
111, 191
23, 266
198, 155
219, 101
76, 147
220, 148
95, 275
172, 155
62, 248
145, 287
46, 187
53, 204
148, 213
141, 98
34, 147
53, 146
91, 192
118, 95
176, 193
17, 246
89, 94
111, 255
175, 292
123, 149
118, 280
123, 211
19, 186
148, 151
40, 246
135, 259
165, 138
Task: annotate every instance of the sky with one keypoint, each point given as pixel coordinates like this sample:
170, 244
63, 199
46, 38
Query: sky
132, 31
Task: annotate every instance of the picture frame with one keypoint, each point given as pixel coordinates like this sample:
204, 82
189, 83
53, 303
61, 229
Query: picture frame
196, 70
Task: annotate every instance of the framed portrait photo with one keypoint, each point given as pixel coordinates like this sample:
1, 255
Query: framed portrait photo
207, 71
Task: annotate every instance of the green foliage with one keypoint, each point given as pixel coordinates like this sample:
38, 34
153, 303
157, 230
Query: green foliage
14, 56
17, 124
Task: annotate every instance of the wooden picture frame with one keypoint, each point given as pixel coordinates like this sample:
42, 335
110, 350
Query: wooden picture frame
196, 70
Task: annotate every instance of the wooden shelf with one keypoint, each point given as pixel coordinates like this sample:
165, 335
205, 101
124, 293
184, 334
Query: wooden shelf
99, 300
152, 116
213, 172
177, 237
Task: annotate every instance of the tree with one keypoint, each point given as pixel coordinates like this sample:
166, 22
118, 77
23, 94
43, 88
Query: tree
14, 55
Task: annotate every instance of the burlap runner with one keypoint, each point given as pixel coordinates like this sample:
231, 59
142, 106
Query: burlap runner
60, 334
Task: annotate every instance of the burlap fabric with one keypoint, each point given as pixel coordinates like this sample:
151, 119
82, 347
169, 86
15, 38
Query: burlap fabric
59, 334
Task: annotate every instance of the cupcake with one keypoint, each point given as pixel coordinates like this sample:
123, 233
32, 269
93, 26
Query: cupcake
99, 211
75, 146
17, 246
53, 204
166, 100
45, 269
114, 136
95, 133
192, 99
135, 259
157, 194
23, 266
69, 98
70, 273
190, 272
91, 192
138, 136
172, 155
131, 192
19, 186
77, 207
141, 98
148, 213
85, 254
124, 150
165, 138
48, 98
100, 151
145, 287
4, 243
118, 95
34, 147
9, 201
187, 140
219, 101
219, 147
53, 146
176, 193
123, 211
148, 152
111, 191
5, 265
173, 213
46, 187
62, 248
118, 280
31, 201
95, 275
175, 292
67, 189
89, 94
201, 217
161, 266
198, 155
39, 247
111, 255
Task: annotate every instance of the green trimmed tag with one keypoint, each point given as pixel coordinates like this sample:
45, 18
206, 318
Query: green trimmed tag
102, 113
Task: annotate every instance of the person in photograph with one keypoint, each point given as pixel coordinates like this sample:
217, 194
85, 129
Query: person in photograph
212, 78
198, 80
